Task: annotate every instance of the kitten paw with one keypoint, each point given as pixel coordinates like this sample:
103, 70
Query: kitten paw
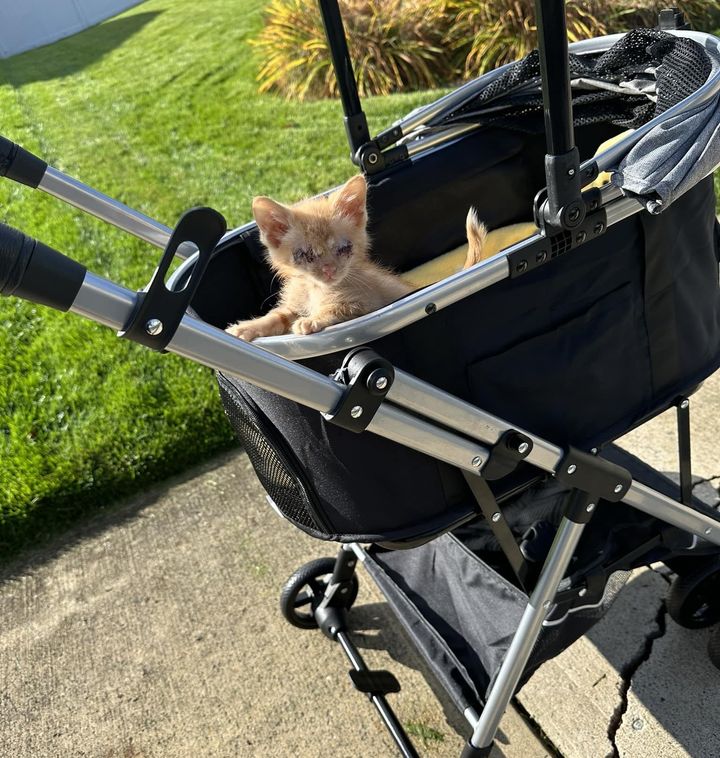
244, 330
306, 326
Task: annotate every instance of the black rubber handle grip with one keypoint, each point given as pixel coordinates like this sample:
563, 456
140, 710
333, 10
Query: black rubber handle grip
18, 164
34, 271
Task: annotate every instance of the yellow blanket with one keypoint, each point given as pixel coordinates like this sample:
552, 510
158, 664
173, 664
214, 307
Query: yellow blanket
497, 240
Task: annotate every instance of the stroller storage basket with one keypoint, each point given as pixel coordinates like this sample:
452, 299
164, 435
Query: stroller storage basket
461, 613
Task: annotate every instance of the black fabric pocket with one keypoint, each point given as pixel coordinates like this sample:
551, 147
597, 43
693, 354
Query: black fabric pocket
572, 384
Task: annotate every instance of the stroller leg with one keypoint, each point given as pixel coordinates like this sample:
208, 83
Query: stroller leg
540, 603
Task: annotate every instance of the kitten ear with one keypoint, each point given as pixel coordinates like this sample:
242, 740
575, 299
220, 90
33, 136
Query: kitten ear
350, 200
273, 219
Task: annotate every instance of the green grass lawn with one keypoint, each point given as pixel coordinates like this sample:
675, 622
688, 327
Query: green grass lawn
158, 108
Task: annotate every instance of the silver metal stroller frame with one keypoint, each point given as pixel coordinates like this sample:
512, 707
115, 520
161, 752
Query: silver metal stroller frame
412, 412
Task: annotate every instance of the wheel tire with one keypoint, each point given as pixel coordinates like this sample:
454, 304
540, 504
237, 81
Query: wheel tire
714, 647
694, 598
304, 591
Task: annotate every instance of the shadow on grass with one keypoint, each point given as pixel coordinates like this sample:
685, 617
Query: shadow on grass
73, 54
57, 520
45, 545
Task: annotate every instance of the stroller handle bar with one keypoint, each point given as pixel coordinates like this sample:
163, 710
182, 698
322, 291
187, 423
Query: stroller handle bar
36, 272
24, 167
19, 164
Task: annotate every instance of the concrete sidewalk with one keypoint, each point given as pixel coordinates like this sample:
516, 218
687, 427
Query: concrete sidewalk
154, 631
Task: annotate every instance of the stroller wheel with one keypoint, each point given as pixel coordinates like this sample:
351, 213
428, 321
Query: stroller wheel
694, 598
304, 590
714, 647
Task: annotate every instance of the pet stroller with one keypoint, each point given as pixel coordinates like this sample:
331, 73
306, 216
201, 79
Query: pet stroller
465, 432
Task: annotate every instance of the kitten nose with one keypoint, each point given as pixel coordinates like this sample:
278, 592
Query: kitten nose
328, 270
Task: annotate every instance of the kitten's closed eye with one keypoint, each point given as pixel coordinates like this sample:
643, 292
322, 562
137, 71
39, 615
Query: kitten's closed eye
344, 248
303, 255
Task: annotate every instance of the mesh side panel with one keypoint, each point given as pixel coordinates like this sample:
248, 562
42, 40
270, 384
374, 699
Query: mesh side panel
273, 463
674, 66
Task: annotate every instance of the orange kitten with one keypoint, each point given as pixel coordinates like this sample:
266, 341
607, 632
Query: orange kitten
320, 250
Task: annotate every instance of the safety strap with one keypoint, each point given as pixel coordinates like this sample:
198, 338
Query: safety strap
494, 516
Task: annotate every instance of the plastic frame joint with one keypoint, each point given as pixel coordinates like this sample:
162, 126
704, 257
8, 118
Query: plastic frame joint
368, 378
593, 475
506, 454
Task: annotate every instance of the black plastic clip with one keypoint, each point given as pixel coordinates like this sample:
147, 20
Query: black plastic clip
368, 378
510, 450
547, 248
159, 310
378, 682
561, 206
672, 19
593, 474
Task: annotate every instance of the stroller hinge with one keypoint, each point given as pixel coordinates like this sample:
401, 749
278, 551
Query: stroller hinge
562, 206
672, 19
368, 378
373, 158
593, 475
549, 247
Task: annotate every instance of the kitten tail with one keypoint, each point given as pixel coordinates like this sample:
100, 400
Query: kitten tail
476, 235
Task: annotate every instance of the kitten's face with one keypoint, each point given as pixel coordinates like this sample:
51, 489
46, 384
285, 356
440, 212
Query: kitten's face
319, 238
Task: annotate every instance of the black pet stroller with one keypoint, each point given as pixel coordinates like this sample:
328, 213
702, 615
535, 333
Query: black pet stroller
465, 432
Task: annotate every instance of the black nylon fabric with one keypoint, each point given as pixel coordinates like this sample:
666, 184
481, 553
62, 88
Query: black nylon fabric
400, 493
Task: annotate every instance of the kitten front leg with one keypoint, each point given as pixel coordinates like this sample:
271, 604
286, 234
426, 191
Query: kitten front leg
325, 317
278, 321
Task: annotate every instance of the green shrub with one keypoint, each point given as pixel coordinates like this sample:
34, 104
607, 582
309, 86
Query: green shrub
488, 33
394, 45
702, 14
411, 44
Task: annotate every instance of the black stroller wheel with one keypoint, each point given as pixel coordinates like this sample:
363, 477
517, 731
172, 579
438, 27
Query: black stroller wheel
304, 590
694, 598
714, 647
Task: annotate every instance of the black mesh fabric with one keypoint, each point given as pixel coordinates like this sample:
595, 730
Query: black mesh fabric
274, 464
675, 66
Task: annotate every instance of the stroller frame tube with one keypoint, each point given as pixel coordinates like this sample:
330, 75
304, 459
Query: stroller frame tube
448, 410
528, 631
554, 67
112, 305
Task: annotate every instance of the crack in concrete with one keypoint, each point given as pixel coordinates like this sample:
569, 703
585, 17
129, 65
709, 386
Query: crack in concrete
629, 672
537, 730
706, 480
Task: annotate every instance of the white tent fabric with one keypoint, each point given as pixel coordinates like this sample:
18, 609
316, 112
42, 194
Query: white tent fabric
26, 24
